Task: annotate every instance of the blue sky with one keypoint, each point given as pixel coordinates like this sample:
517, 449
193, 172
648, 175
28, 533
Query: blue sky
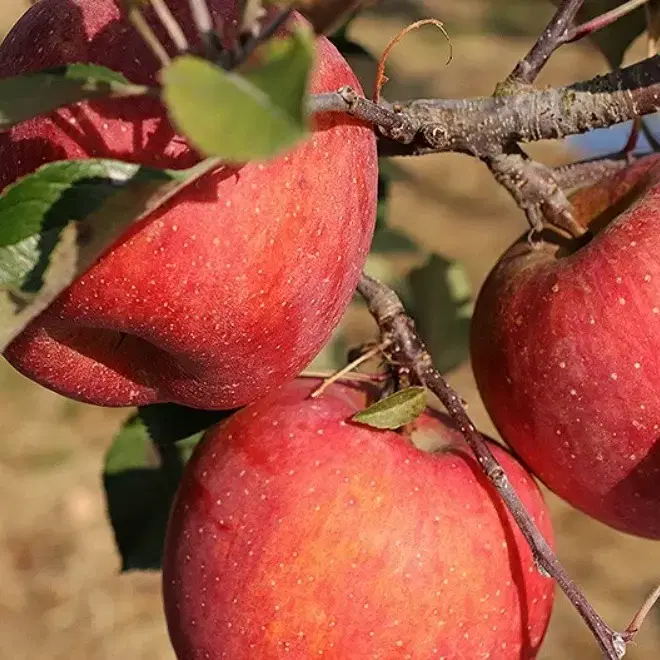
610, 140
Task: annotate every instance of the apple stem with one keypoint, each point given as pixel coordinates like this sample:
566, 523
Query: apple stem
409, 355
553, 36
342, 373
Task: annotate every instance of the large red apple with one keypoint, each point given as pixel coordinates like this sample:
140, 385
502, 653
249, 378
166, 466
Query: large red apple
565, 350
297, 533
232, 287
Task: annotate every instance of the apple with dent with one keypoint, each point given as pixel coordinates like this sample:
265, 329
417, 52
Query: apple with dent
565, 344
233, 286
296, 532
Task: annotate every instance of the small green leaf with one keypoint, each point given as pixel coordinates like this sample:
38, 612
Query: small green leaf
142, 471
57, 221
242, 117
32, 94
438, 297
394, 411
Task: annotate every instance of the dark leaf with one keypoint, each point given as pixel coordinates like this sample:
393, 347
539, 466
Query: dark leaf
142, 471
439, 299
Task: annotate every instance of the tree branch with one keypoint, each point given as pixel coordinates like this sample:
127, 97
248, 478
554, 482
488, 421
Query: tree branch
484, 126
409, 356
527, 70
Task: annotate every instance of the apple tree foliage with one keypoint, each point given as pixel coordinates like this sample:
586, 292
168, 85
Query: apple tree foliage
55, 222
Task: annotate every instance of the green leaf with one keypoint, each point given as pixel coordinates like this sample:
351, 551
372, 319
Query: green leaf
242, 117
386, 239
614, 39
57, 221
394, 411
32, 94
142, 471
438, 296
62, 191
392, 241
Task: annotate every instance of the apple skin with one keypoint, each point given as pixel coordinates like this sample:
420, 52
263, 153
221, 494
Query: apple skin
297, 533
232, 287
565, 353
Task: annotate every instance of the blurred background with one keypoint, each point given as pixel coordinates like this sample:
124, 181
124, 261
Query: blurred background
61, 593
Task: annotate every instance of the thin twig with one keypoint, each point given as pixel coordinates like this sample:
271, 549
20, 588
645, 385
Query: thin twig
602, 21
264, 34
409, 355
353, 376
171, 25
352, 366
381, 78
527, 70
148, 35
204, 23
641, 615
398, 126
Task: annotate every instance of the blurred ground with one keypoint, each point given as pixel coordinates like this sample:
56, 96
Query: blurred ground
61, 597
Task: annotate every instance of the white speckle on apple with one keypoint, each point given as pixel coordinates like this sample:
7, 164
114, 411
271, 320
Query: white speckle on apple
613, 376
622, 301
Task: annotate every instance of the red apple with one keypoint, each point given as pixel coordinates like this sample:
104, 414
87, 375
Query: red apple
565, 344
231, 288
297, 533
